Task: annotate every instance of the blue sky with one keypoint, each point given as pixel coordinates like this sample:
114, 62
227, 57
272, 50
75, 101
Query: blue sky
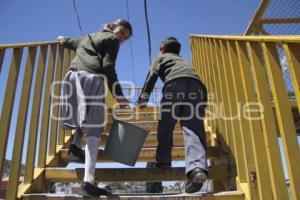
37, 20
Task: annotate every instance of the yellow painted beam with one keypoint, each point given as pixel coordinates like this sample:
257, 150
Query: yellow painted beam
223, 129
150, 126
13, 183
29, 44
230, 103
274, 162
284, 116
216, 90
151, 139
130, 174
2, 53
132, 116
232, 195
271, 38
35, 114
279, 20
258, 143
146, 155
236, 85
8, 101
247, 94
55, 90
39, 184
292, 52
67, 61
253, 26
46, 108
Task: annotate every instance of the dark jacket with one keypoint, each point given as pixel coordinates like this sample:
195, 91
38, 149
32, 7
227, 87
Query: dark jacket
106, 47
167, 67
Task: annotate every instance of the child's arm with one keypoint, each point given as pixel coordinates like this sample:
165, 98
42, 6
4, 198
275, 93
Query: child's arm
149, 83
70, 43
109, 60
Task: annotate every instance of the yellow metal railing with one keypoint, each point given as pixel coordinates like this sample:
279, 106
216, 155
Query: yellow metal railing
244, 79
53, 61
46, 62
275, 18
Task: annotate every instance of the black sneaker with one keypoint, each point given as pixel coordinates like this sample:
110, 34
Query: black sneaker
91, 190
76, 152
196, 178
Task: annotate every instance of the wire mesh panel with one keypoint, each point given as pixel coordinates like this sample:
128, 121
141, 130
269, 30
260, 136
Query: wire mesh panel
277, 17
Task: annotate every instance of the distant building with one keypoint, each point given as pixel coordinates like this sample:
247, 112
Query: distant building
4, 185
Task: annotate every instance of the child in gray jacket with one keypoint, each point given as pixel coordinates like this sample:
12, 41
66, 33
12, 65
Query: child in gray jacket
82, 106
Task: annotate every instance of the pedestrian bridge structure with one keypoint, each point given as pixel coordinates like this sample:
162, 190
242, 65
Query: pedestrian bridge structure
254, 77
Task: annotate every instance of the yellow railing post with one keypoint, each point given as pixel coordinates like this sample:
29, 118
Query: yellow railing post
55, 101
217, 119
284, 116
209, 82
234, 69
228, 104
200, 59
20, 129
223, 129
8, 102
242, 72
268, 124
238, 124
69, 55
46, 108
2, 53
224, 67
250, 126
35, 115
204, 63
292, 52
258, 145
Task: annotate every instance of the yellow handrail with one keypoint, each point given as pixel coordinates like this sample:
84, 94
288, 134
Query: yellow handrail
28, 44
53, 61
244, 76
239, 71
271, 38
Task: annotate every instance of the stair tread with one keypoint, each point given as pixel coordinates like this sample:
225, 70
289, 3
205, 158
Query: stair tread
151, 139
130, 174
150, 125
234, 195
146, 154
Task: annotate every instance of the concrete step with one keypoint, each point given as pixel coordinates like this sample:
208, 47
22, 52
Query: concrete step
130, 174
146, 155
231, 195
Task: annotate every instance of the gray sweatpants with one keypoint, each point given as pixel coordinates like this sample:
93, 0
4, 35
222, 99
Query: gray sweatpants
82, 102
183, 100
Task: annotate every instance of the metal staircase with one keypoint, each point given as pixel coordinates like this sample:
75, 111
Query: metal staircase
244, 154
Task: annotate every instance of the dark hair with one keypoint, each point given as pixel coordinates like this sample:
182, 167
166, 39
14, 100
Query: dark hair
171, 45
126, 25
120, 22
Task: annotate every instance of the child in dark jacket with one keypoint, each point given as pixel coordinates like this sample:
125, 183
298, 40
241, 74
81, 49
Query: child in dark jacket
184, 100
83, 107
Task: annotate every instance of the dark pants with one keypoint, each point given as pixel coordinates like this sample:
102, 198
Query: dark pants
184, 101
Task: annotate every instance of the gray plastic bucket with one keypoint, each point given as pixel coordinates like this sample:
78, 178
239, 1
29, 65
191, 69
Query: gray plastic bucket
125, 142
